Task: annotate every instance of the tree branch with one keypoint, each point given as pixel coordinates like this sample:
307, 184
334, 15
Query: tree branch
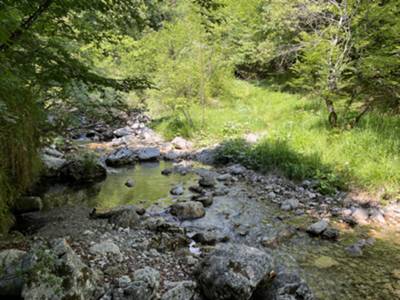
25, 25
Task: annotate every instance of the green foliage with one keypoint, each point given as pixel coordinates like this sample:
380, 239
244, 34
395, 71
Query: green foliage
277, 155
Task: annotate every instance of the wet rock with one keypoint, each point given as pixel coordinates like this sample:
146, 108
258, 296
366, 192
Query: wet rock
285, 286
150, 153
11, 278
233, 272
28, 204
290, 204
105, 247
145, 284
317, 228
185, 290
206, 200
181, 144
129, 183
177, 190
188, 210
207, 181
70, 277
330, 234
121, 132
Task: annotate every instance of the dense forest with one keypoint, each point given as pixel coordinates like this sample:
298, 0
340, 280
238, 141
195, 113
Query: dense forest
306, 89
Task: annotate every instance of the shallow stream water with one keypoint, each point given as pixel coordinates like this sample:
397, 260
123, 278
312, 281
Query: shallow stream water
326, 266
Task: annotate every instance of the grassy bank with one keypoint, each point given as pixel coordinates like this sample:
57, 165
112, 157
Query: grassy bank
296, 133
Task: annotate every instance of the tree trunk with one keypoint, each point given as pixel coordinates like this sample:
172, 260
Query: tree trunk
332, 118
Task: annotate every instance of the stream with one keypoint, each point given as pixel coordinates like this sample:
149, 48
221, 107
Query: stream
244, 217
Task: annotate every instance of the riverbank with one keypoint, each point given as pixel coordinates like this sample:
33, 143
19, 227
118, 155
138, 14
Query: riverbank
189, 223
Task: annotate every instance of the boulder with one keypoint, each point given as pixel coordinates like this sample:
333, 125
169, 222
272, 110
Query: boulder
145, 284
150, 153
290, 204
120, 157
237, 170
104, 248
207, 181
28, 204
62, 275
11, 278
317, 228
52, 165
285, 286
181, 144
188, 210
123, 132
81, 171
185, 290
233, 272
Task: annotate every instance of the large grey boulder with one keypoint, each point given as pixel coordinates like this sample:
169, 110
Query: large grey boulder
285, 286
233, 272
120, 157
28, 204
58, 273
145, 285
188, 210
52, 164
149, 153
83, 171
185, 290
11, 279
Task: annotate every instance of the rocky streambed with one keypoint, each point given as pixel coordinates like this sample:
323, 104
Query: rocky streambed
164, 226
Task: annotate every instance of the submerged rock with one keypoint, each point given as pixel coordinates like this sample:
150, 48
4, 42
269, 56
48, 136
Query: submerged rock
188, 210
177, 190
233, 272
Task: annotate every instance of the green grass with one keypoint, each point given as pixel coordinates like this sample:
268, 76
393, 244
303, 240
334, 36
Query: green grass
366, 157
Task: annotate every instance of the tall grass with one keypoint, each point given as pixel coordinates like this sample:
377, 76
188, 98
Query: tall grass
368, 154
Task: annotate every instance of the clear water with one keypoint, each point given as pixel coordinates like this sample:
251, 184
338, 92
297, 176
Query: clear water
150, 187
373, 276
